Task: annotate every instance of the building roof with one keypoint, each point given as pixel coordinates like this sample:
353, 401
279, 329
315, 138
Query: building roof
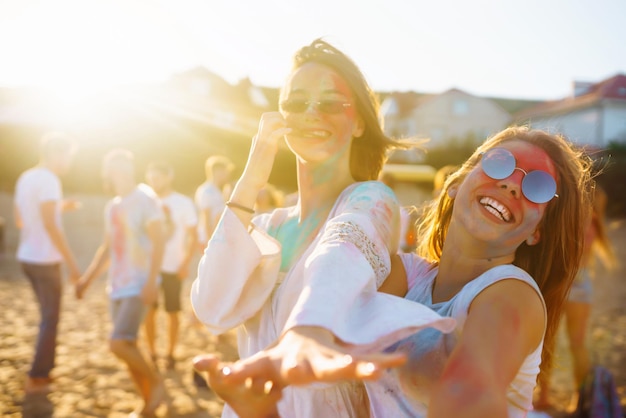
401, 104
611, 88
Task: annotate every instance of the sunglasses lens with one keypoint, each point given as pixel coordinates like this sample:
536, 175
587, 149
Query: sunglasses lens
498, 163
538, 186
294, 106
331, 106
324, 106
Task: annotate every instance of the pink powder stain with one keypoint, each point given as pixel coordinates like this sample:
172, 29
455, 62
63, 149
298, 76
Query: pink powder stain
343, 88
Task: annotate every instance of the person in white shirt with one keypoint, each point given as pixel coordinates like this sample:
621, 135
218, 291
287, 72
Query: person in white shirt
209, 196
181, 223
132, 251
43, 246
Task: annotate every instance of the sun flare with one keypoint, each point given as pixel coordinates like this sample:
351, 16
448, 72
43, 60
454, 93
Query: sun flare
76, 48
74, 51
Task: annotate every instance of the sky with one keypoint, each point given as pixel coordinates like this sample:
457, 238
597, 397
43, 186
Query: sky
528, 49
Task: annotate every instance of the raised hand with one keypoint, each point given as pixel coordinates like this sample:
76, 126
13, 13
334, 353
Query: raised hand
272, 128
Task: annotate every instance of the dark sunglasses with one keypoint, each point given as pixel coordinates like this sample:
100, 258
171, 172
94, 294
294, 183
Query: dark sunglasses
323, 106
538, 186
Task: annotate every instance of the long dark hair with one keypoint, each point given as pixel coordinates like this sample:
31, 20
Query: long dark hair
554, 261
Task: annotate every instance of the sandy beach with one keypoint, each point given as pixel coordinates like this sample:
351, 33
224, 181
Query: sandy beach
91, 382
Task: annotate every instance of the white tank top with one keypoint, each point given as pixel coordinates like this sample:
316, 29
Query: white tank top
405, 391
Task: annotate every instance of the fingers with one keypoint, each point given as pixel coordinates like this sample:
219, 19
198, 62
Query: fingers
336, 367
272, 127
387, 360
258, 367
306, 357
297, 371
346, 368
279, 133
260, 387
213, 368
205, 363
262, 374
253, 396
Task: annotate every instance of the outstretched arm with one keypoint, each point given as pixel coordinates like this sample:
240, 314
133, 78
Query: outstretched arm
304, 355
253, 386
504, 325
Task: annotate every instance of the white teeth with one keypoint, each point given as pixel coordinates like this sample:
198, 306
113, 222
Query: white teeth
497, 208
495, 212
315, 134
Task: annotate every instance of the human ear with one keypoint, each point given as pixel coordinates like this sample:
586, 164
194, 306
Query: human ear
534, 238
452, 190
359, 127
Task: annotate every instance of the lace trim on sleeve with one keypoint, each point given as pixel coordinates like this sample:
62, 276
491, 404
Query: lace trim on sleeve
352, 233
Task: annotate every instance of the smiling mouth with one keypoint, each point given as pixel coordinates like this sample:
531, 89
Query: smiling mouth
496, 208
311, 133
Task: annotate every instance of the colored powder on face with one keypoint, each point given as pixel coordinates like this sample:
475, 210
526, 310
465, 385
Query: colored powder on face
343, 88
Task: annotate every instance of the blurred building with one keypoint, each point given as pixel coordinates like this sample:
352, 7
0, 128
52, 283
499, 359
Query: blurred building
453, 115
594, 114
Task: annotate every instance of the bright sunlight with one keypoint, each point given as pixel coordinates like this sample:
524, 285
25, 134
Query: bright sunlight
76, 50
75, 46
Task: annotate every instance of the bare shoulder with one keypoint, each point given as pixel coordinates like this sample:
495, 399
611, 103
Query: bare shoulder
514, 304
513, 293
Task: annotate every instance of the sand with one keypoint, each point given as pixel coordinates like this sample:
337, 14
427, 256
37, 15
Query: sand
91, 382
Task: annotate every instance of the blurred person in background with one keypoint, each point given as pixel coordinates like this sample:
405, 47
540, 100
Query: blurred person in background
43, 246
597, 249
268, 199
209, 196
441, 176
408, 217
181, 222
132, 251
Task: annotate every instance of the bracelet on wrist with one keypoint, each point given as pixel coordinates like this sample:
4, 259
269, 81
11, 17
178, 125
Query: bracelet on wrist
235, 205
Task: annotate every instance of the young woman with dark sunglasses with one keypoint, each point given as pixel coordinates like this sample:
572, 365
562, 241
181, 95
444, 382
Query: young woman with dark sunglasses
311, 271
498, 251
